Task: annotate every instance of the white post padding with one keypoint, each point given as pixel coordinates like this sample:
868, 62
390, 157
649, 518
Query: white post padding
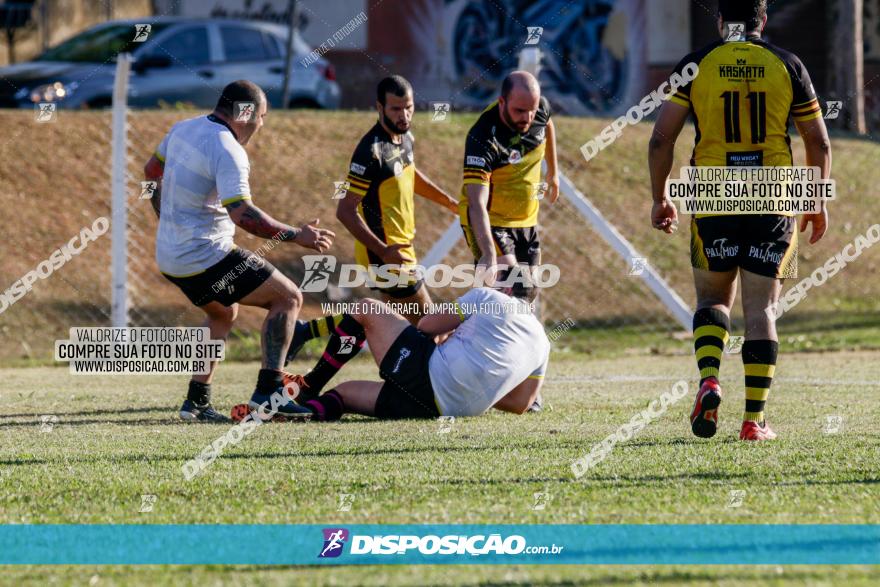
664, 292
444, 244
119, 199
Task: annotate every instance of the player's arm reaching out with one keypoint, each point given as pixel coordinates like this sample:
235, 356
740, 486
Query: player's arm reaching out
440, 324
552, 177
347, 214
153, 171
431, 191
661, 151
818, 151
253, 220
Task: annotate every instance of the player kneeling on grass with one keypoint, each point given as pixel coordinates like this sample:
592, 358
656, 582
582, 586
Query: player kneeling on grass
496, 355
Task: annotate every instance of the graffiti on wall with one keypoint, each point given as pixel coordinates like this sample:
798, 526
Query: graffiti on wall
585, 46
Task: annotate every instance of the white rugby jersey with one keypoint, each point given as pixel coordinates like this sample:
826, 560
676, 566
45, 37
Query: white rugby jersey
499, 344
206, 169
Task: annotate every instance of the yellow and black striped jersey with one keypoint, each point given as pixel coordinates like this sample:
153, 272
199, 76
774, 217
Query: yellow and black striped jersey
741, 102
383, 174
509, 162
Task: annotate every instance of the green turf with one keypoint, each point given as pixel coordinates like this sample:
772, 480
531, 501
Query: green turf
809, 333
117, 438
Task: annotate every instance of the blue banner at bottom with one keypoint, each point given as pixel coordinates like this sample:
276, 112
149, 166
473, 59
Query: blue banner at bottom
440, 544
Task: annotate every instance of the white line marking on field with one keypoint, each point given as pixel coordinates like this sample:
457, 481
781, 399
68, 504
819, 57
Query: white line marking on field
596, 379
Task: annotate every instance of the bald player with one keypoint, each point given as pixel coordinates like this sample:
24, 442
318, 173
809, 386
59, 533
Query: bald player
502, 184
203, 171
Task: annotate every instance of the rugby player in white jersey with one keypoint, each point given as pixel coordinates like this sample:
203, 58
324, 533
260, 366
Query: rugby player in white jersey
202, 170
495, 354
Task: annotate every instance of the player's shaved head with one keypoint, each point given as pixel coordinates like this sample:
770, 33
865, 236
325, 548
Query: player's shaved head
520, 81
239, 91
519, 101
248, 121
751, 12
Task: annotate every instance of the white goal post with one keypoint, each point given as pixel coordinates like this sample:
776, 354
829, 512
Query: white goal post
119, 196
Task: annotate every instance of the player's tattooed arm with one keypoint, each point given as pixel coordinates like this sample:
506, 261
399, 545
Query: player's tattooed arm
253, 220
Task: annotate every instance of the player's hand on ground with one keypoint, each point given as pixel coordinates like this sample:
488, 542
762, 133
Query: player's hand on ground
312, 237
664, 216
393, 255
552, 188
819, 222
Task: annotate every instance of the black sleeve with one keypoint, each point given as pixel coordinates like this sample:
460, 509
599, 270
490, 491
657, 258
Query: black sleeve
362, 169
804, 105
682, 95
479, 156
544, 110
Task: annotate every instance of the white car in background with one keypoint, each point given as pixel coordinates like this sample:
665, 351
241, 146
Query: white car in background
182, 60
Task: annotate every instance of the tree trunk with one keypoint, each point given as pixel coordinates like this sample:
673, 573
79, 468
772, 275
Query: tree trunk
850, 64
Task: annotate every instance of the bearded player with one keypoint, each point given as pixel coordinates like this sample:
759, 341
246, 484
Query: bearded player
502, 189
379, 207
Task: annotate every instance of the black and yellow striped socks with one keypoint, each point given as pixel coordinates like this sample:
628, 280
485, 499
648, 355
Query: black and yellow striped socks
322, 327
711, 331
759, 360
337, 353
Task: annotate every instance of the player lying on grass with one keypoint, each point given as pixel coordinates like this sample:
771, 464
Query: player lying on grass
496, 355
203, 169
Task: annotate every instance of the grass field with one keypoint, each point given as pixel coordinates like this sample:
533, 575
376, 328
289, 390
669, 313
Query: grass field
117, 438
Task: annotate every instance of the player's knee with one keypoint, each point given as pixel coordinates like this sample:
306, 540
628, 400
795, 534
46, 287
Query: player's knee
756, 314
290, 301
366, 308
287, 300
222, 315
